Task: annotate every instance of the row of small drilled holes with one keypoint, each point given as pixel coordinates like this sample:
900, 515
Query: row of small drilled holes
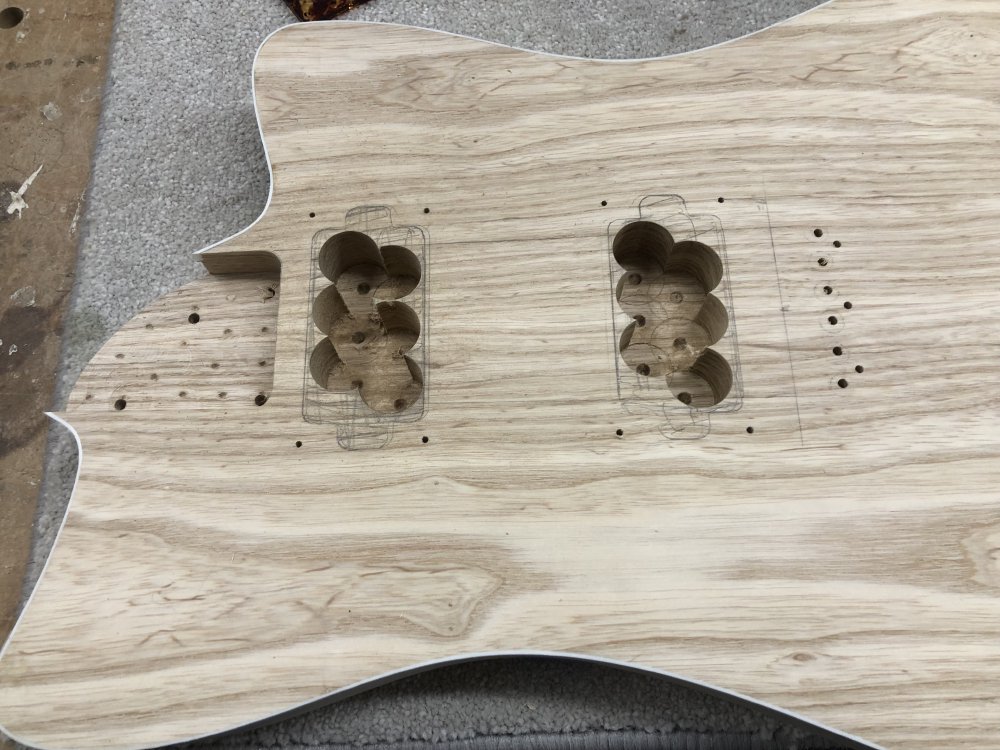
833, 320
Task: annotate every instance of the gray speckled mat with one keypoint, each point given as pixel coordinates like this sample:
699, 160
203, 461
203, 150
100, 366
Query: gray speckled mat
179, 166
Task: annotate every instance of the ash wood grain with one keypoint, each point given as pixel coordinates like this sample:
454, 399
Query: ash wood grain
224, 561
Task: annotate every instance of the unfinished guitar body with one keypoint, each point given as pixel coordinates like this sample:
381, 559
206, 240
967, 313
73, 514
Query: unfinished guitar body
687, 364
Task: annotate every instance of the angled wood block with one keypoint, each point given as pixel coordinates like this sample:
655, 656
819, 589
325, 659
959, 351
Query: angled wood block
684, 364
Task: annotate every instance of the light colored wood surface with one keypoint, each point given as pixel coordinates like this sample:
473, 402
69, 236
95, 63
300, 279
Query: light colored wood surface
839, 561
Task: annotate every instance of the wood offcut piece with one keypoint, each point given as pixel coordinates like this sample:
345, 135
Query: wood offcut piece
702, 350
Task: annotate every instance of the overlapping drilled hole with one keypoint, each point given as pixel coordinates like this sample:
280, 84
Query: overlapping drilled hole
367, 330
666, 288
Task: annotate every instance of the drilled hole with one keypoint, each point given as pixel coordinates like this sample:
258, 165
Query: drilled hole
399, 404
842, 383
427, 210
642, 369
10, 17
848, 305
364, 288
684, 397
838, 351
823, 261
750, 430
721, 199
358, 337
260, 399
828, 290
194, 318
836, 243
120, 404
604, 203
635, 279
818, 232
425, 439
619, 432
832, 320
312, 214
640, 320
859, 369
298, 443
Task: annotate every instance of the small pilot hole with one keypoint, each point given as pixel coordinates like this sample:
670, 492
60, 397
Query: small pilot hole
823, 261
634, 279
120, 404
194, 318
425, 439
298, 443
427, 210
684, 398
619, 432
364, 288
842, 383
818, 232
642, 369
312, 214
640, 320
260, 399
836, 243
828, 290
833, 320
859, 369
848, 305
399, 404
604, 203
357, 337
750, 430
721, 199
837, 351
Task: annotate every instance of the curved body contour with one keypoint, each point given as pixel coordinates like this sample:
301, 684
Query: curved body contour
823, 538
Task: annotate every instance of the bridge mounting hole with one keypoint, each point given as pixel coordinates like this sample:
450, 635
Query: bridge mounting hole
120, 404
